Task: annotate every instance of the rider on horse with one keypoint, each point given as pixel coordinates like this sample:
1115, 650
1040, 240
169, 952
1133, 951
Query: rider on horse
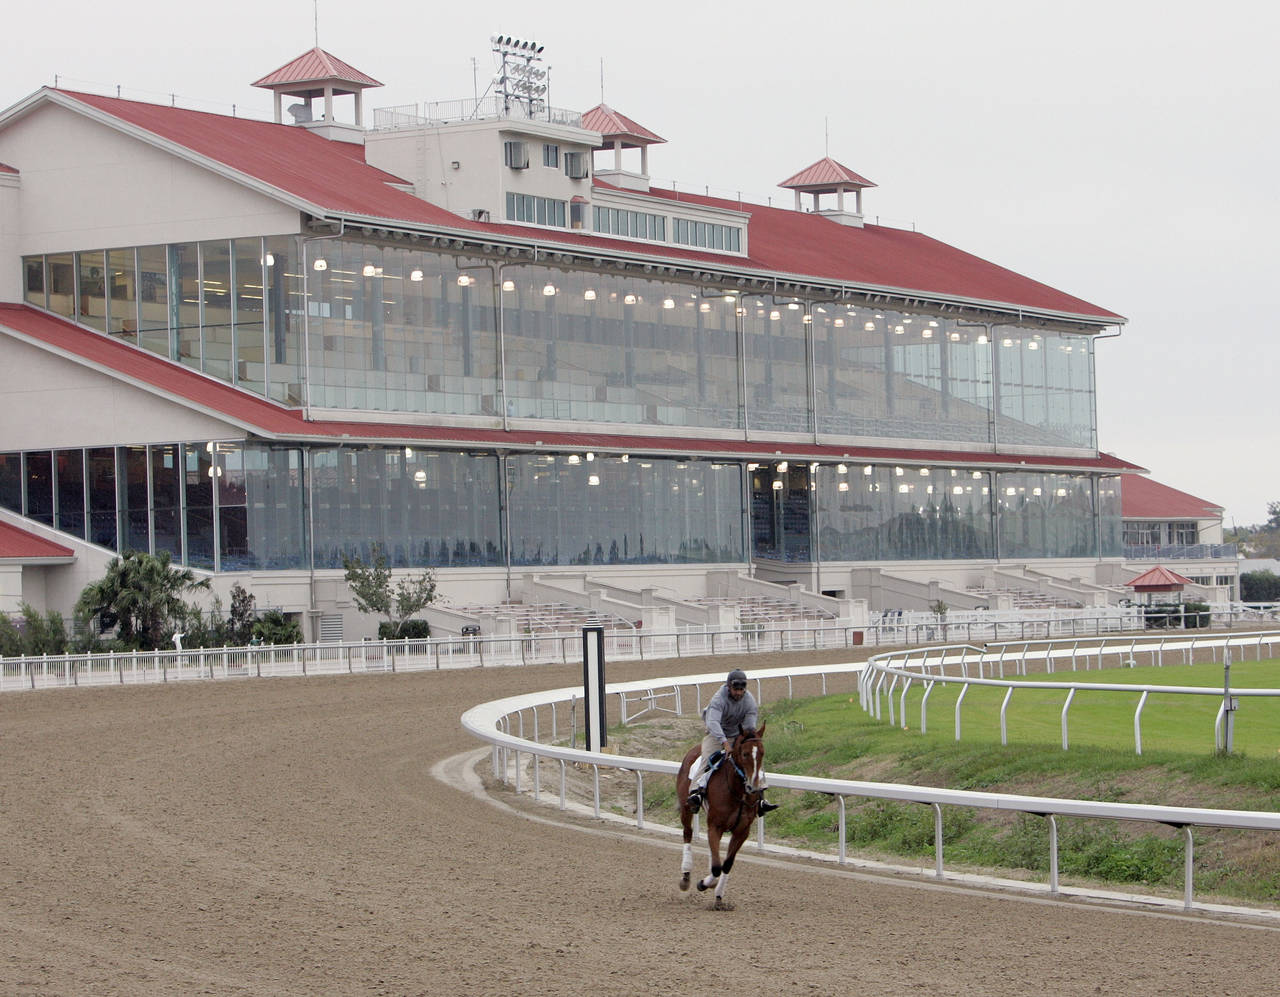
731, 710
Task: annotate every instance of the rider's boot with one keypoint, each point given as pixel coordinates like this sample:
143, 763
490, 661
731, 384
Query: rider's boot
766, 807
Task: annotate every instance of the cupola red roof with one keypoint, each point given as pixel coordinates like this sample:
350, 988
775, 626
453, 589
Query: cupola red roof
6, 168
1158, 579
316, 66
826, 176
615, 126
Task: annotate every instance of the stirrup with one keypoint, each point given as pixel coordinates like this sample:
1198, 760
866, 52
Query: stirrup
694, 799
766, 807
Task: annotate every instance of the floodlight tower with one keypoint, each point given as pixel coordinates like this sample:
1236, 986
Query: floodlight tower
520, 81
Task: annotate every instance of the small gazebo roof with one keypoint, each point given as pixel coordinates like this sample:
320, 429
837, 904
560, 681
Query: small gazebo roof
1158, 579
316, 67
826, 176
616, 127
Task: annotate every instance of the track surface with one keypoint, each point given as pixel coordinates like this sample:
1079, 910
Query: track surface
287, 837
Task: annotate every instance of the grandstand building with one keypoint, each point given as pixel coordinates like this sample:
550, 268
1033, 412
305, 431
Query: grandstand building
477, 335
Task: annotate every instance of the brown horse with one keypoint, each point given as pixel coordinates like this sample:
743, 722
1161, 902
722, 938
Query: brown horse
732, 800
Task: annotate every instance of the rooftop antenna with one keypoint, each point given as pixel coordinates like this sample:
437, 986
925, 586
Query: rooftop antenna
601, 79
315, 10
826, 141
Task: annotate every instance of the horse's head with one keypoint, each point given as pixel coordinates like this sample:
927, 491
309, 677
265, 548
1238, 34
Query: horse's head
748, 753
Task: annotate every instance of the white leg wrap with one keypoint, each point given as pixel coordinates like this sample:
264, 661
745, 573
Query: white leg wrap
724, 881
686, 863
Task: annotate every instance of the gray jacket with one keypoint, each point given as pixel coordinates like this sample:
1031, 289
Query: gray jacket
725, 718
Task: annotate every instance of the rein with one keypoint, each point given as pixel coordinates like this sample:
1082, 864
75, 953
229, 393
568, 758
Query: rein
747, 794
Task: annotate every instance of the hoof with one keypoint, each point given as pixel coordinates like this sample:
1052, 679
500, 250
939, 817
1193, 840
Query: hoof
722, 905
684, 883
702, 887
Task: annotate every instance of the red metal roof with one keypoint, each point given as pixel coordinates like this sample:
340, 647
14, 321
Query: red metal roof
1158, 579
1143, 498
333, 177
6, 168
826, 174
613, 125
267, 419
316, 66
19, 545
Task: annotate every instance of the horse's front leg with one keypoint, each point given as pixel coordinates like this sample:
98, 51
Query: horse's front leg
713, 840
686, 861
735, 842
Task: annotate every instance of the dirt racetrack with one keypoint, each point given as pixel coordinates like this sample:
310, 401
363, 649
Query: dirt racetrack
286, 836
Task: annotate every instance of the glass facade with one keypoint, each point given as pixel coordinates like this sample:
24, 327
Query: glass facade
571, 510
385, 328
1047, 515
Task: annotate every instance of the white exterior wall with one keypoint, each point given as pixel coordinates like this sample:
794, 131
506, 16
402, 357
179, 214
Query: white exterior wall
10, 268
86, 186
425, 158
59, 403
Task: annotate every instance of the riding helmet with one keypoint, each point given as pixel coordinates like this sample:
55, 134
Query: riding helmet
737, 675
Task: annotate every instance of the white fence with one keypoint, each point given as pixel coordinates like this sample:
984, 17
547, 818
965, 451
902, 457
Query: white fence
893, 675
516, 728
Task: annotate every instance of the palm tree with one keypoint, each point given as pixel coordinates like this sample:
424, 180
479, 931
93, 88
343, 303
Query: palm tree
142, 595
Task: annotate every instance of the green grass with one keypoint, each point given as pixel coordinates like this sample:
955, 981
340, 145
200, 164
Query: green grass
832, 737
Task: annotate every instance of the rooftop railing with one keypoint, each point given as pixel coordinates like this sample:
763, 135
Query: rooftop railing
449, 112
1179, 552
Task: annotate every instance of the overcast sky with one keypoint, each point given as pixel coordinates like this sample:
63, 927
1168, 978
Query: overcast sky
1125, 152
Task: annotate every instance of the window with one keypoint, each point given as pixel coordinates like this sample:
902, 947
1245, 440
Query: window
633, 224
535, 210
551, 156
575, 165
707, 234
516, 155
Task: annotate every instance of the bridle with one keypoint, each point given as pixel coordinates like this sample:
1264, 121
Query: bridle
747, 793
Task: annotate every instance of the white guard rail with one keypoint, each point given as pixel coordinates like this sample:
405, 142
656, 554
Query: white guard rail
503, 724
895, 674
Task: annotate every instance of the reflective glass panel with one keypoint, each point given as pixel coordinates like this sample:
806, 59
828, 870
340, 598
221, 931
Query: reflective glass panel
198, 494
184, 301
11, 482
250, 365
166, 499
39, 479
777, 365
93, 290
101, 469
153, 300
1046, 515
134, 497
69, 467
216, 308
33, 281
62, 284
284, 319
122, 291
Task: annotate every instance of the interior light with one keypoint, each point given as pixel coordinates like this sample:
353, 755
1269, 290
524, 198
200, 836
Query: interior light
730, 297
420, 476
977, 474
898, 472
866, 470
668, 303
415, 275
465, 280
926, 334
843, 486
271, 259
793, 306
630, 299
369, 270
1033, 345
320, 264
777, 484
742, 311
903, 489
590, 456
957, 489
808, 319
574, 459
813, 466
982, 338
782, 466
924, 472
869, 326
507, 285
775, 315
838, 323
842, 469
548, 290
955, 337
408, 451
593, 479
1006, 343
898, 330
704, 307
752, 467
625, 458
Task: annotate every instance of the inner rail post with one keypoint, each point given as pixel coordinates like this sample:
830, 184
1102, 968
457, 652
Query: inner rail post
842, 828
937, 839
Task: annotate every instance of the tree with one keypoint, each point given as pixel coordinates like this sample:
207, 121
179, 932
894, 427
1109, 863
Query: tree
373, 591
141, 594
273, 627
39, 633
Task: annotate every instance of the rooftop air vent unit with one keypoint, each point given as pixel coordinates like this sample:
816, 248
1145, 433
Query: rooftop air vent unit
479, 214
301, 113
516, 155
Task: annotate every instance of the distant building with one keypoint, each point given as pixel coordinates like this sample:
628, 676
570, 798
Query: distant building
476, 334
